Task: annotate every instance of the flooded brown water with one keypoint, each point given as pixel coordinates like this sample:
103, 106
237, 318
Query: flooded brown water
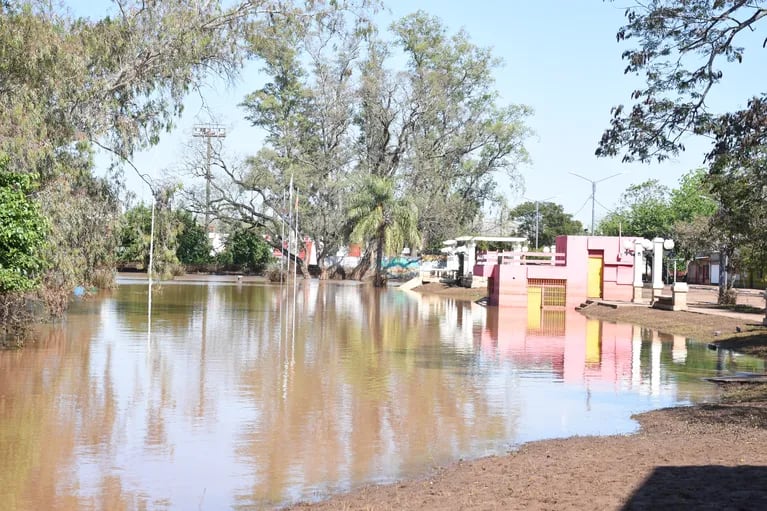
223, 407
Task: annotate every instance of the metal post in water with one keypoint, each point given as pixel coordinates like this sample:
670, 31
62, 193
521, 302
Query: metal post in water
149, 273
295, 287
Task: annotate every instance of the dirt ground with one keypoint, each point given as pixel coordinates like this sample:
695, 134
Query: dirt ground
703, 457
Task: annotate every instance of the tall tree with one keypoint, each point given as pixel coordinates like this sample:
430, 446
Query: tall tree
69, 84
684, 50
336, 109
542, 222
305, 111
459, 136
390, 222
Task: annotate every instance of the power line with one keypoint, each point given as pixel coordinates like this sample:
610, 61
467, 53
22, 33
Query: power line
594, 193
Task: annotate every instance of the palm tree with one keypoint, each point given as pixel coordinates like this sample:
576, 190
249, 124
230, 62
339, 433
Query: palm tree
377, 215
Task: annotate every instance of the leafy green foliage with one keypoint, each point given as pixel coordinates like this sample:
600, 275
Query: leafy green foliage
693, 197
683, 49
22, 232
135, 236
194, 246
81, 249
552, 222
644, 211
376, 214
247, 250
650, 209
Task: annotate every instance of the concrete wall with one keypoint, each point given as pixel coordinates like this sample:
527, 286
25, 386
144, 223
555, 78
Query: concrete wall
509, 281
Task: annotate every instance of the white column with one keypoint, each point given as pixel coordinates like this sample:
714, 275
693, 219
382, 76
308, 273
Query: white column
470, 258
657, 267
638, 263
638, 268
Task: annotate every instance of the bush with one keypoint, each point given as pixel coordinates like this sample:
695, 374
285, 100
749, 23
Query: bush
194, 246
247, 251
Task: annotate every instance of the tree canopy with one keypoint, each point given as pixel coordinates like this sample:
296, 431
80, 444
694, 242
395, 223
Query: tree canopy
650, 209
683, 51
552, 221
340, 106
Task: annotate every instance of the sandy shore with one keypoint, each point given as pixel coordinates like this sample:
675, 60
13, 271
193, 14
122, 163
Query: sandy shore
702, 457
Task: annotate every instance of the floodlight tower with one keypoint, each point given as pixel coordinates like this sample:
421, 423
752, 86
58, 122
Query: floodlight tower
208, 132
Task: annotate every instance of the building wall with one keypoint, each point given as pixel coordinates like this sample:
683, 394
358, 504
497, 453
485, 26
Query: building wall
509, 282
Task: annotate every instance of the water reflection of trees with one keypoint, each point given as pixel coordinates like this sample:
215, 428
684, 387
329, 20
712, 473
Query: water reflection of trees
359, 393
362, 396
52, 411
375, 385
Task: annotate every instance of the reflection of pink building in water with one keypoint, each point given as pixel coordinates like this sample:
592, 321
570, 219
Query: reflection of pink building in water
581, 267
577, 349
574, 347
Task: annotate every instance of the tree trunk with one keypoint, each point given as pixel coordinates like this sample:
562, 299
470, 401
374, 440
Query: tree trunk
359, 272
727, 295
380, 280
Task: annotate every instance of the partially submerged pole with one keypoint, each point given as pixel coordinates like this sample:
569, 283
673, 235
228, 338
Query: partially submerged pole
149, 274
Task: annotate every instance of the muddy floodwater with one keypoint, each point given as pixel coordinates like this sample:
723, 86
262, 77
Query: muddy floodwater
233, 401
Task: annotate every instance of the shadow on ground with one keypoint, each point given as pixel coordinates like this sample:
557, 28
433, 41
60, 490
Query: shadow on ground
702, 487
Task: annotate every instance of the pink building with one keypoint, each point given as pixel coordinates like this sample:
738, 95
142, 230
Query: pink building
582, 267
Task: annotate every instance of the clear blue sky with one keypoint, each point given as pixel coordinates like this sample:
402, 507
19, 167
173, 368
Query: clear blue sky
561, 58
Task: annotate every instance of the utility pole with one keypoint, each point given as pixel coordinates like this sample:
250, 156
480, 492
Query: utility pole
537, 215
594, 193
208, 131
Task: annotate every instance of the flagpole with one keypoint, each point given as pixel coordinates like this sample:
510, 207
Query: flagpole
295, 281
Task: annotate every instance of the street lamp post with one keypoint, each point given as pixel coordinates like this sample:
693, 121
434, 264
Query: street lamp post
537, 215
594, 193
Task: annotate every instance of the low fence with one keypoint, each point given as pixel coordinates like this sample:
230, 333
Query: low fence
522, 258
438, 274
